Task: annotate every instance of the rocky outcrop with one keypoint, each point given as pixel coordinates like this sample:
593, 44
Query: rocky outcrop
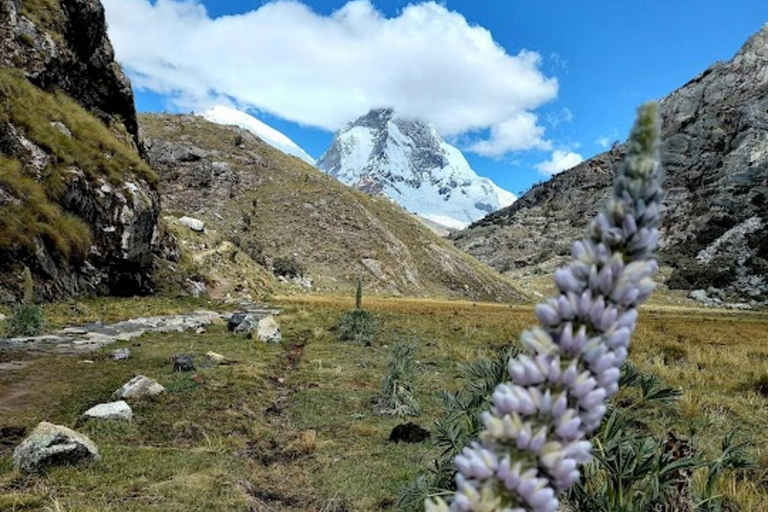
64, 45
91, 228
715, 152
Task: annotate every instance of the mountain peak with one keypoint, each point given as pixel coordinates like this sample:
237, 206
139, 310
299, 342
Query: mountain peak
407, 160
232, 117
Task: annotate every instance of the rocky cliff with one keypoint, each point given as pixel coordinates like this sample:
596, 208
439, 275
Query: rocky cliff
715, 222
282, 212
77, 203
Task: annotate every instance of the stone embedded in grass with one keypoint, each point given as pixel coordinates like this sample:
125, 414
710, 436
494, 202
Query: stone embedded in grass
193, 224
408, 433
218, 358
183, 363
121, 354
268, 330
138, 387
235, 320
110, 411
51, 444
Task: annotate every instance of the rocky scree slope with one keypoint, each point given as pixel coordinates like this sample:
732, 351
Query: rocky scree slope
406, 160
715, 223
77, 203
270, 205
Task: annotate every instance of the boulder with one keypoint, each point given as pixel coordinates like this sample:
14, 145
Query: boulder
183, 363
121, 354
110, 411
268, 330
217, 358
247, 325
51, 444
138, 387
193, 224
235, 320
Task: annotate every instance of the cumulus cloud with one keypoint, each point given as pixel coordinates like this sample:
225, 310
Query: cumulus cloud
323, 71
558, 162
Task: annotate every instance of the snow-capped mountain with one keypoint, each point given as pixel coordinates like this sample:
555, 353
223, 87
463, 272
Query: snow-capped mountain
229, 116
408, 161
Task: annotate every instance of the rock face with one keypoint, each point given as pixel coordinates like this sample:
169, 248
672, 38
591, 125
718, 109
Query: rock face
92, 225
715, 223
51, 444
119, 410
137, 387
408, 161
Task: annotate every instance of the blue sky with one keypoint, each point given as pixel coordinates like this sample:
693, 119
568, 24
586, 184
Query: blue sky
607, 57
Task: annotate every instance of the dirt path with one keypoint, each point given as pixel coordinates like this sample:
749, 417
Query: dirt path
282, 461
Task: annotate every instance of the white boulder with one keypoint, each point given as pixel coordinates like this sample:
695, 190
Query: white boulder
138, 387
193, 224
110, 411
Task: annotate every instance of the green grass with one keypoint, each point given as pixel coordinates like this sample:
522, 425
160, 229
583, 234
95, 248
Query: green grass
92, 148
293, 426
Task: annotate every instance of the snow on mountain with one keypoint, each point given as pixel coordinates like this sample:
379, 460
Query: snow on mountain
229, 116
408, 161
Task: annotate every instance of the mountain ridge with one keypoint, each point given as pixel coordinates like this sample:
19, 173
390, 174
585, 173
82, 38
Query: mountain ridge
407, 160
715, 152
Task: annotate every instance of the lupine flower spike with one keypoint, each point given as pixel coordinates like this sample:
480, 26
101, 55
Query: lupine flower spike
536, 432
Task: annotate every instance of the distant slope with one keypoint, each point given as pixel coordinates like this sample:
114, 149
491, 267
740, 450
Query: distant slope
272, 205
407, 161
231, 117
715, 223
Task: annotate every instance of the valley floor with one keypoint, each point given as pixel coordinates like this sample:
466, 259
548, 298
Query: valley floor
291, 426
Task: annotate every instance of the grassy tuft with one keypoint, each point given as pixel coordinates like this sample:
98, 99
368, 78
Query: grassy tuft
26, 320
358, 326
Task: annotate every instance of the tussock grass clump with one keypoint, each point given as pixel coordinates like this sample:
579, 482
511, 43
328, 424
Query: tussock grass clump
25, 320
395, 396
358, 326
673, 354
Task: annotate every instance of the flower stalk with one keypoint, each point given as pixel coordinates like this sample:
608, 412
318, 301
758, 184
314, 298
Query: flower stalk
536, 433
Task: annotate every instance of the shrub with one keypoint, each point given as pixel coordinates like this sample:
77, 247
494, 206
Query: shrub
358, 326
287, 266
26, 320
395, 396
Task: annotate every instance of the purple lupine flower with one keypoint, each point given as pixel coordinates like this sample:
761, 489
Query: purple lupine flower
536, 432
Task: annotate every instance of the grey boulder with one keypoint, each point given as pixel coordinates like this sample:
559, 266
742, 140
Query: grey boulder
138, 387
121, 354
51, 444
119, 410
268, 330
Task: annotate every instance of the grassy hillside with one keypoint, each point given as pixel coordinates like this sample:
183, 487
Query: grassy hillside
272, 205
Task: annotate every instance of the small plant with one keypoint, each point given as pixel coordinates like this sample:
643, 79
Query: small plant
288, 267
27, 317
396, 393
358, 326
359, 294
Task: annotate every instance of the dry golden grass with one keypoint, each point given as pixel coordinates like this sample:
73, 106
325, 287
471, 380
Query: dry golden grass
292, 427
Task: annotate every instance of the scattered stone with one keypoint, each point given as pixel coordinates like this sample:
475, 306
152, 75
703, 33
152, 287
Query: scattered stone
87, 361
235, 320
198, 379
200, 330
62, 128
51, 444
408, 433
138, 387
193, 224
217, 358
121, 354
10, 366
268, 330
2, 317
196, 289
110, 411
183, 363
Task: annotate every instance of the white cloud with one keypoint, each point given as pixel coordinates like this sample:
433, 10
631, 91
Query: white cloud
519, 132
559, 161
323, 71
